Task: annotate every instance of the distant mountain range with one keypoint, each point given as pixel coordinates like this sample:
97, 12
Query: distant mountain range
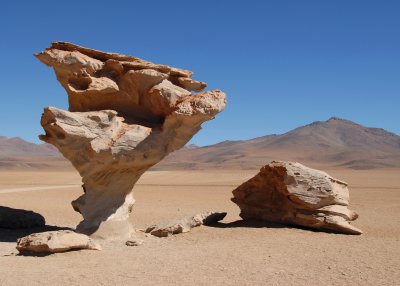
17, 147
16, 153
332, 143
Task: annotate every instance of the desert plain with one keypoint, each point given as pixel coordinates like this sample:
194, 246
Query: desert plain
228, 253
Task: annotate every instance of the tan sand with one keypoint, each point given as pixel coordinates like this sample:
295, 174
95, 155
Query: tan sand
231, 254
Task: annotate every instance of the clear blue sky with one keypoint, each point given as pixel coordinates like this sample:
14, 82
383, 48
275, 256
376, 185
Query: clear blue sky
281, 63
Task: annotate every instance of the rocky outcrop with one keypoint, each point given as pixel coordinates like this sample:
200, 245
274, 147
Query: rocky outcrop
17, 218
291, 193
55, 241
185, 224
125, 115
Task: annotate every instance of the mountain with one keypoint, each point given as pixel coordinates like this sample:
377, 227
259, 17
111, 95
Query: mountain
332, 143
16, 153
17, 147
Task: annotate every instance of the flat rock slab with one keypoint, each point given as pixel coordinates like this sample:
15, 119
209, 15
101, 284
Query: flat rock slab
17, 218
291, 193
55, 241
185, 224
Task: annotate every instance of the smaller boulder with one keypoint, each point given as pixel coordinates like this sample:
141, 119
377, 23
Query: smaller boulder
185, 224
291, 193
55, 241
17, 218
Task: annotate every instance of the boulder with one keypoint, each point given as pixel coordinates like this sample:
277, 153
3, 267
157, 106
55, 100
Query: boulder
17, 218
55, 241
291, 193
125, 115
183, 225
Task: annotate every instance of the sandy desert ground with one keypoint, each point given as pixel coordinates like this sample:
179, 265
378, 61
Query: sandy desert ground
230, 253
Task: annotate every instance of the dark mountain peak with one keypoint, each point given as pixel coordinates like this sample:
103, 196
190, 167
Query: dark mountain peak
312, 124
347, 123
341, 121
333, 140
333, 120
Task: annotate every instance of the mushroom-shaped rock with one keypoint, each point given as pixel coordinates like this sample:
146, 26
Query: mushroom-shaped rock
291, 193
125, 115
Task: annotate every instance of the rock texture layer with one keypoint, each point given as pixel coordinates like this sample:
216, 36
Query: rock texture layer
125, 115
55, 241
185, 224
291, 193
16, 218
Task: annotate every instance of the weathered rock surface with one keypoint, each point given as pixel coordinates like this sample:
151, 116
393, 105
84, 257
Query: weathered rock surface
185, 224
17, 218
291, 193
134, 242
125, 115
56, 241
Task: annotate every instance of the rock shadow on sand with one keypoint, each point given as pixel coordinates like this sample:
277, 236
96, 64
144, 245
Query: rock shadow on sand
16, 223
247, 224
264, 224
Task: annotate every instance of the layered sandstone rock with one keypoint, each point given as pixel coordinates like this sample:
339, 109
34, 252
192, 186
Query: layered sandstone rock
290, 193
125, 115
55, 241
183, 225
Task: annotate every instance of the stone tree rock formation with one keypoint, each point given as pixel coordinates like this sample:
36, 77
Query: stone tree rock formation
291, 193
125, 115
